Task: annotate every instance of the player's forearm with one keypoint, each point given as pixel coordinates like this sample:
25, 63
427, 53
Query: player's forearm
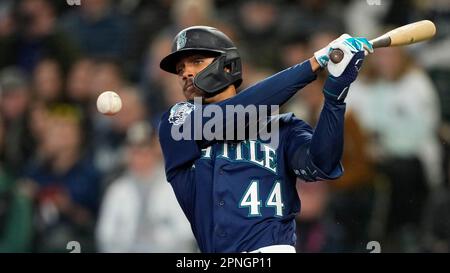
276, 89
328, 139
327, 142
315, 66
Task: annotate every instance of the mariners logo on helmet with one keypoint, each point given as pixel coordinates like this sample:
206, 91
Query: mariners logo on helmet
181, 41
179, 112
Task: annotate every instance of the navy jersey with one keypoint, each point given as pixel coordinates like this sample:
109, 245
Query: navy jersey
241, 195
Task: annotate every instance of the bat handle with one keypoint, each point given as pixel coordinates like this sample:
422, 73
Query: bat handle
336, 55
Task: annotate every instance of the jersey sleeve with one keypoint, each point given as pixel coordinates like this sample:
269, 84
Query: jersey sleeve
276, 89
315, 155
179, 153
179, 156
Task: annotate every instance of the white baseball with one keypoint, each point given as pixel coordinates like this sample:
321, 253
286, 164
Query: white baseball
109, 103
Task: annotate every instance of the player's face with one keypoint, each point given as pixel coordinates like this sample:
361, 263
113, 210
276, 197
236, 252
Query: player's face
187, 68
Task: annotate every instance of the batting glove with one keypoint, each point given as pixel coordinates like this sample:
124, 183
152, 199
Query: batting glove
336, 88
349, 46
322, 55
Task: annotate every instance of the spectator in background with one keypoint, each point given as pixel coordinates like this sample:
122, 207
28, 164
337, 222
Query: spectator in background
79, 82
436, 224
15, 211
2, 138
186, 13
365, 20
293, 49
14, 100
7, 24
433, 55
107, 75
38, 119
64, 185
398, 105
253, 74
135, 215
149, 17
36, 38
48, 81
80, 92
98, 28
316, 230
307, 17
153, 78
259, 20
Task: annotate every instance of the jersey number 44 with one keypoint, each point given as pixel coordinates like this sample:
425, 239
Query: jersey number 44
251, 199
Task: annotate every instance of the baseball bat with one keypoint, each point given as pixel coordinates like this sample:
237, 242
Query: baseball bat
404, 35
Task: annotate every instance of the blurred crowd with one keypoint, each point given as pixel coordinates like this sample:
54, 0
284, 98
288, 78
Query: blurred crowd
67, 173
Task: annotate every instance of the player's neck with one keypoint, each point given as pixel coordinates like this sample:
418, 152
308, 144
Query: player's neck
226, 94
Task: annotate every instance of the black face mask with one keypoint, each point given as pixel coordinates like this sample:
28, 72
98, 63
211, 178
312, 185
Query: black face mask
214, 79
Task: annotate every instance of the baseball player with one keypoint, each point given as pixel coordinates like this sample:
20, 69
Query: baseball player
240, 196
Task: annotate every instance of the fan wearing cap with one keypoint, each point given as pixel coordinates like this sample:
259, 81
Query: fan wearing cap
239, 194
14, 102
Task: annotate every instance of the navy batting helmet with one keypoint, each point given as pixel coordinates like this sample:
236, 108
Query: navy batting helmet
213, 79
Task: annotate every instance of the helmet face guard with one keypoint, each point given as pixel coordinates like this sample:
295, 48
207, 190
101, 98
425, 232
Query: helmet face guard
225, 70
221, 73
